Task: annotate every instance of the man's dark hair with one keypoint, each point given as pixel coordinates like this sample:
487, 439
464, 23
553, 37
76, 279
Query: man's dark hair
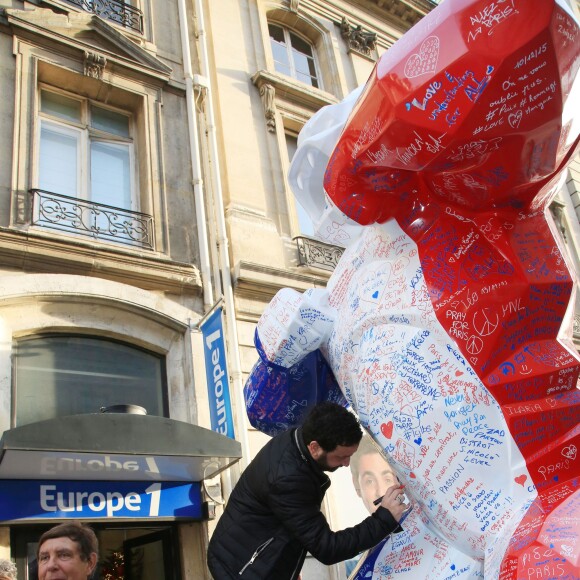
331, 425
77, 532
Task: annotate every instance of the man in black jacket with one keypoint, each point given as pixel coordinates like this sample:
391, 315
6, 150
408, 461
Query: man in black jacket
273, 515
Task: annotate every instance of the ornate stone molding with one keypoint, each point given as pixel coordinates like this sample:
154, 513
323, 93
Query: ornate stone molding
82, 30
408, 12
294, 4
289, 90
94, 65
316, 254
22, 204
357, 39
268, 94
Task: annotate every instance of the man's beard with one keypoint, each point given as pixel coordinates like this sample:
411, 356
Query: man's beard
321, 461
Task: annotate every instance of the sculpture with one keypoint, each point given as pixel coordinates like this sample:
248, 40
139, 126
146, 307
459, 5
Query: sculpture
446, 321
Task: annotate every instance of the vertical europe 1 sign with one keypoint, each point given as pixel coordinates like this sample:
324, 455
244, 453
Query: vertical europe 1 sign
217, 374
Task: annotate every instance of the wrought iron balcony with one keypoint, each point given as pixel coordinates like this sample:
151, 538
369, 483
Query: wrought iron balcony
83, 217
317, 254
114, 10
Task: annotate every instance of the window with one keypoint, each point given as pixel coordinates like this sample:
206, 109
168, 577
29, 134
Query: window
67, 375
304, 220
87, 173
293, 56
86, 151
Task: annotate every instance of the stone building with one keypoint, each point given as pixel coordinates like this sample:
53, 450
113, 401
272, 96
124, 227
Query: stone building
105, 281
144, 150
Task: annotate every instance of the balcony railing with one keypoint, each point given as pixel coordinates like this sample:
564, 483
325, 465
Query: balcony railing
97, 220
114, 10
317, 254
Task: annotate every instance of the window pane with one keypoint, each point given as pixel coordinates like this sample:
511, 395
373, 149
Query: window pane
279, 50
280, 55
305, 71
276, 33
109, 121
306, 226
59, 106
58, 163
68, 375
306, 78
283, 68
303, 58
111, 174
291, 146
304, 221
300, 45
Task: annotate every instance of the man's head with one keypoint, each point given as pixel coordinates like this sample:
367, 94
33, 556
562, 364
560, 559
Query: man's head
7, 570
371, 473
332, 435
68, 551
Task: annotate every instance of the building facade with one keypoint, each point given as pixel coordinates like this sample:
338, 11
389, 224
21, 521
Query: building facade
105, 286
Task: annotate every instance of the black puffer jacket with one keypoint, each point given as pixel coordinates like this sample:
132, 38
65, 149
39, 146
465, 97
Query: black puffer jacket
273, 518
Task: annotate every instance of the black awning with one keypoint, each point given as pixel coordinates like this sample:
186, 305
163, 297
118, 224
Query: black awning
113, 447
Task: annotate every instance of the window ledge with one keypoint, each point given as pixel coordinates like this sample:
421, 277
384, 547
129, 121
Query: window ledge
289, 89
35, 251
261, 282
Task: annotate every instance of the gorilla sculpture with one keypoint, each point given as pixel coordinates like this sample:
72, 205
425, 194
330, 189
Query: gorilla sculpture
446, 323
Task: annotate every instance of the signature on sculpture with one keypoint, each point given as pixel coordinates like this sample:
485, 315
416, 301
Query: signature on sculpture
445, 324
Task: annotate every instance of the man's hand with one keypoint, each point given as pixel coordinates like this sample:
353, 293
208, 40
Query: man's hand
394, 501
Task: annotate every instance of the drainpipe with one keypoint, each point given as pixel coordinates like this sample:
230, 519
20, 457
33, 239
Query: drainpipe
223, 247
198, 185
205, 269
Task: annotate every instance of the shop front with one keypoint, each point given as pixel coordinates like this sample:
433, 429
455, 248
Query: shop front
138, 480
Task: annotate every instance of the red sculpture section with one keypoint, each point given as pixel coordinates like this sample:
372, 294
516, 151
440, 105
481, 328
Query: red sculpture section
460, 135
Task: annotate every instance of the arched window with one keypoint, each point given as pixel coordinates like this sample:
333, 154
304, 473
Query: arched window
293, 56
62, 375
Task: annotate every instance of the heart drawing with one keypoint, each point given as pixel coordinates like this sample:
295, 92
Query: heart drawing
521, 479
514, 119
387, 429
425, 61
569, 452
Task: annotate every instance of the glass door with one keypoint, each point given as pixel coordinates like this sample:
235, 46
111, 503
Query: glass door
149, 557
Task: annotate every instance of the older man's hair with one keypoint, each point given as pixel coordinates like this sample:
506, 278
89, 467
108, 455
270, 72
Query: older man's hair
83, 535
8, 570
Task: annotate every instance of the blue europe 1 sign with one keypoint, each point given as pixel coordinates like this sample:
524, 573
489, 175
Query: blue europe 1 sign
119, 500
216, 371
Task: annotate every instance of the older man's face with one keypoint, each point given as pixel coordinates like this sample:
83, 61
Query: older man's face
60, 559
